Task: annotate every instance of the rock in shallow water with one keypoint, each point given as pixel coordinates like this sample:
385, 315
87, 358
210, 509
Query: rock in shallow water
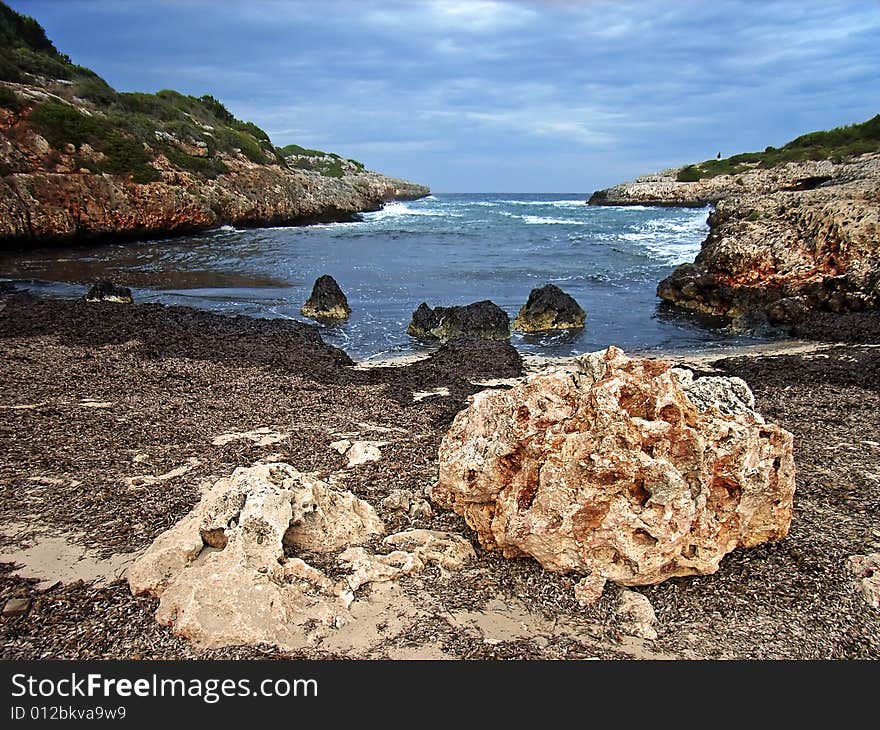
483, 319
107, 291
327, 301
549, 308
614, 471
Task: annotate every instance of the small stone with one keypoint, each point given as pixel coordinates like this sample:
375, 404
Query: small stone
341, 446
362, 452
446, 549
866, 569
397, 501
16, 607
637, 614
420, 510
589, 590
107, 291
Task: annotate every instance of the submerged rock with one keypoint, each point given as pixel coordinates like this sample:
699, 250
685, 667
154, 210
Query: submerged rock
616, 472
327, 301
107, 291
549, 308
484, 319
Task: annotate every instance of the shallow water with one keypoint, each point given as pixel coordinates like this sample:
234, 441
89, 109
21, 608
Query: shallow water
445, 249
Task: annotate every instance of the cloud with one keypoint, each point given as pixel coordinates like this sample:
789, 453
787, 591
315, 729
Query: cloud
451, 16
497, 94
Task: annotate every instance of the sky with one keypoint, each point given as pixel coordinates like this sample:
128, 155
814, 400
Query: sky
497, 96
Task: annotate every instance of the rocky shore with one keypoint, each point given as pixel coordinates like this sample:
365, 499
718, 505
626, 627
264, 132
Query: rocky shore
786, 244
120, 420
47, 194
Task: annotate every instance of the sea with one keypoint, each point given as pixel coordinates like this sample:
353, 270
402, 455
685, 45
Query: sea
445, 249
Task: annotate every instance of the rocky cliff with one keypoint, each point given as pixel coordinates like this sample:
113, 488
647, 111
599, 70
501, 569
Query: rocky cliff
786, 240
79, 160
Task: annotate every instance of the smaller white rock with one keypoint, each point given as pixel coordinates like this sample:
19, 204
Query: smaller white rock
637, 614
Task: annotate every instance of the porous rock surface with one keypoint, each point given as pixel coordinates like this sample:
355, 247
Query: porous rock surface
228, 572
784, 242
327, 301
483, 320
625, 471
549, 308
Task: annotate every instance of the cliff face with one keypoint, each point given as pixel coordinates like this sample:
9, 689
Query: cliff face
663, 189
784, 242
51, 193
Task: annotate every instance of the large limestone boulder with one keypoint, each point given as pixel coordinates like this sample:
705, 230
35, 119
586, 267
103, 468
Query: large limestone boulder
484, 320
327, 302
549, 308
628, 470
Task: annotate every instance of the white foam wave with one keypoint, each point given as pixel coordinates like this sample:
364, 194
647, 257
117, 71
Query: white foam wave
672, 240
543, 220
398, 210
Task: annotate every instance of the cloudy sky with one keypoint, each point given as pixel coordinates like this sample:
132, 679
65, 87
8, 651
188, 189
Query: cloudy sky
491, 96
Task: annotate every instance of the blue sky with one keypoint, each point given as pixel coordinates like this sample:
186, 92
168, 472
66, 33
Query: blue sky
478, 95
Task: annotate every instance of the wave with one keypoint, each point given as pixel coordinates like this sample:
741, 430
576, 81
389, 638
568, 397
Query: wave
397, 210
543, 220
567, 203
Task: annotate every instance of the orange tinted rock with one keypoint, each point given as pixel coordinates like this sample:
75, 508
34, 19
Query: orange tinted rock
629, 471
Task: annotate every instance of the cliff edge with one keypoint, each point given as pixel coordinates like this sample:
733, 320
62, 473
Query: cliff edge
794, 230
79, 160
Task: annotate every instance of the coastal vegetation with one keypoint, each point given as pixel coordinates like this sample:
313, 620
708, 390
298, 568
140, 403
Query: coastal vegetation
327, 163
129, 130
835, 144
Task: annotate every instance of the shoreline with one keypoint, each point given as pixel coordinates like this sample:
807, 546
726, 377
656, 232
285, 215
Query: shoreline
117, 417
698, 357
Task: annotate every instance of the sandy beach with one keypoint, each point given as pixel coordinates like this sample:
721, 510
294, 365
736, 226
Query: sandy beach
116, 418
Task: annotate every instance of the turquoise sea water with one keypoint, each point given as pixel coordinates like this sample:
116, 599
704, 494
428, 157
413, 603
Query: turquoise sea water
446, 249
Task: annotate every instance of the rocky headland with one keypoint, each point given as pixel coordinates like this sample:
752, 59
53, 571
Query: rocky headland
790, 240
80, 161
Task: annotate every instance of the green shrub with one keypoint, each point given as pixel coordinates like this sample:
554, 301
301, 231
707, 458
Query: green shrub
61, 123
39, 64
215, 108
836, 144
295, 149
689, 174
95, 89
207, 167
9, 99
251, 129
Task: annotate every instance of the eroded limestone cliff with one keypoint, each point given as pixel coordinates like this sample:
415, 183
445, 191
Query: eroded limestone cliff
51, 192
784, 241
